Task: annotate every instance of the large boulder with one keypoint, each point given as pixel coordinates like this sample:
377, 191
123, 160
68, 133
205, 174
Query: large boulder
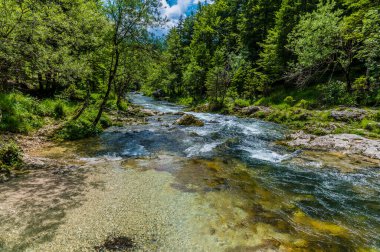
348, 115
189, 120
253, 109
346, 143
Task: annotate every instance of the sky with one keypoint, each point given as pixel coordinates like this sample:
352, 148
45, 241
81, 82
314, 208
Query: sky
174, 9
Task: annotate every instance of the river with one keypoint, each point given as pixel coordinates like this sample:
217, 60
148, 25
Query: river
227, 186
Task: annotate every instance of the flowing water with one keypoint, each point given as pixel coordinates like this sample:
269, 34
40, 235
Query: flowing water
226, 186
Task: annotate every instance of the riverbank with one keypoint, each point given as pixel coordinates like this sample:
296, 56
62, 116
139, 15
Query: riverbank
337, 120
49, 135
347, 130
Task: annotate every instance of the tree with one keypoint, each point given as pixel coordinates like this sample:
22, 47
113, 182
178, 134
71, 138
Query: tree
315, 42
220, 76
130, 20
370, 51
274, 55
254, 21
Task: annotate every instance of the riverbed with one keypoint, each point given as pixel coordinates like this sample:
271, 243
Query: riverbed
227, 186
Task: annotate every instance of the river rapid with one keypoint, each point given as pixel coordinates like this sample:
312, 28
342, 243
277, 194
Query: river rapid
227, 186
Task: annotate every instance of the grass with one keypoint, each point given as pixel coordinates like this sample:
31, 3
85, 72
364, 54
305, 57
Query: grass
10, 159
20, 113
83, 127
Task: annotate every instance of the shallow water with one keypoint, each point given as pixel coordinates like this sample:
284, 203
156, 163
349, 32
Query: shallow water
226, 186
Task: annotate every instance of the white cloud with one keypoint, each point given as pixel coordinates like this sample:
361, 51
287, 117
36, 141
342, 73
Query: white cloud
174, 12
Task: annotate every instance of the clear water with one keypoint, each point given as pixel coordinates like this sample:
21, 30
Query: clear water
332, 199
250, 193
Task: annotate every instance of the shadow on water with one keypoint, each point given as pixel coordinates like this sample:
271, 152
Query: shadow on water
38, 204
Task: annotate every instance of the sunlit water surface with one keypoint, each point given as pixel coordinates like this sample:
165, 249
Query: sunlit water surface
254, 190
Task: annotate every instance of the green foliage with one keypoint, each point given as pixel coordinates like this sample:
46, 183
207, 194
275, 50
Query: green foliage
10, 159
18, 113
335, 93
186, 101
303, 104
241, 103
314, 41
10, 154
82, 127
59, 111
377, 116
289, 100
370, 126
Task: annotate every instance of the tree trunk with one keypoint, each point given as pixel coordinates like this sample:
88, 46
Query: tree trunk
85, 104
113, 71
120, 95
40, 82
367, 80
348, 80
48, 81
54, 85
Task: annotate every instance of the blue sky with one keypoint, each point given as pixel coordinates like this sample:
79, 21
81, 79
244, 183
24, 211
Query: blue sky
174, 9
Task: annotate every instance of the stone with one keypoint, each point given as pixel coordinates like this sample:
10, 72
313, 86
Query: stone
189, 120
159, 93
348, 115
253, 109
347, 143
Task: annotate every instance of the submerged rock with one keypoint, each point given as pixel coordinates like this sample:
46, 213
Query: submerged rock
347, 143
189, 120
159, 93
121, 243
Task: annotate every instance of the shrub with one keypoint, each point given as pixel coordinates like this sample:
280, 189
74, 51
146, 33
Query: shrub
18, 113
10, 158
370, 125
335, 93
44, 107
186, 101
78, 129
260, 114
82, 127
59, 110
105, 121
74, 94
262, 101
10, 154
241, 103
303, 104
377, 116
289, 100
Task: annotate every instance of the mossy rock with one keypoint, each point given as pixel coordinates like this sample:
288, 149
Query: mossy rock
189, 120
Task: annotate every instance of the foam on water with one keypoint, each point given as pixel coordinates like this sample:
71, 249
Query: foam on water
265, 155
199, 149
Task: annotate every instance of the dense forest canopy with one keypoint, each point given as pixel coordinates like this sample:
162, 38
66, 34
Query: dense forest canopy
228, 53
248, 48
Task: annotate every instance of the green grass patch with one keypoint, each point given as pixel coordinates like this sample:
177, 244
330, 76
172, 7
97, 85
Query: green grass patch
19, 113
10, 159
83, 126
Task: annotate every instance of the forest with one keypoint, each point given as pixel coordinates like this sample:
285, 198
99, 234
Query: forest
248, 50
189, 125
310, 53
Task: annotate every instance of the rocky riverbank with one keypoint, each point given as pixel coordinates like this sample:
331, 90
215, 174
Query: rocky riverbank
343, 129
345, 143
44, 138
